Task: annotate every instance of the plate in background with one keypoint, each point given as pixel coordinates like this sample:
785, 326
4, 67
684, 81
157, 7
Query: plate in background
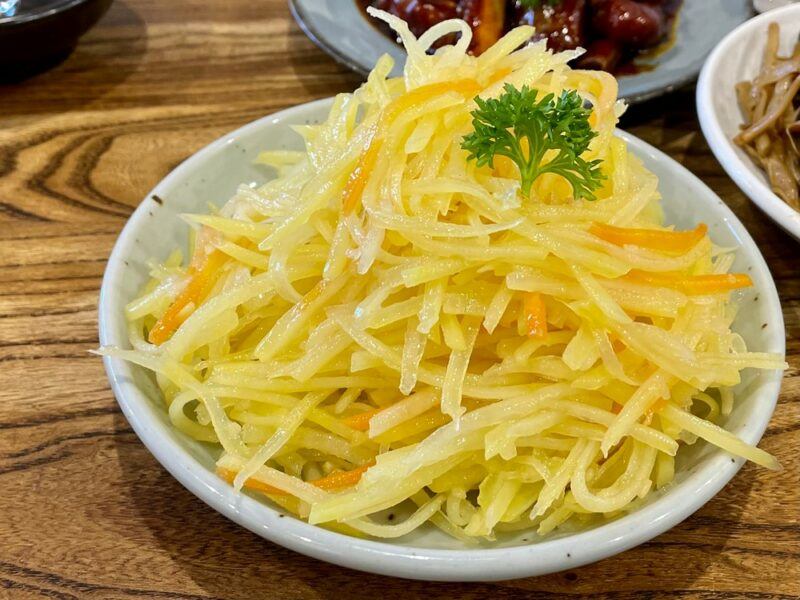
343, 31
214, 174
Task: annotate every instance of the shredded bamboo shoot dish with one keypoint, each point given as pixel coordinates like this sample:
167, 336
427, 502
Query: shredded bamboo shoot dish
460, 298
771, 128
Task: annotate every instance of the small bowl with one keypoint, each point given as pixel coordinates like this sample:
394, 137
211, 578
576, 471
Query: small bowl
214, 173
37, 34
738, 58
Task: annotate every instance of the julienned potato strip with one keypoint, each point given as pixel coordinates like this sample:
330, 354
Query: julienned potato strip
386, 322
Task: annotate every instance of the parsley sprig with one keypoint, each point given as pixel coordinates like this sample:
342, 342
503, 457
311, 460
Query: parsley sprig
525, 129
535, 3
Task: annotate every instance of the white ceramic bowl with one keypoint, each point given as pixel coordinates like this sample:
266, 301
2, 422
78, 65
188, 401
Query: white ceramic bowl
213, 175
737, 58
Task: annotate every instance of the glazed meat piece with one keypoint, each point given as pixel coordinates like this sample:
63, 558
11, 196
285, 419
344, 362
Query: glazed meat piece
420, 15
633, 24
563, 24
668, 7
601, 55
613, 32
487, 19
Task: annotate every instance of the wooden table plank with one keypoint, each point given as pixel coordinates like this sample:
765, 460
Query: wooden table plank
85, 511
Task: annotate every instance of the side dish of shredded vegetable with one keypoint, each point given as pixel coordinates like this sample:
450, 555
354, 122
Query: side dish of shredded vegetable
769, 105
461, 298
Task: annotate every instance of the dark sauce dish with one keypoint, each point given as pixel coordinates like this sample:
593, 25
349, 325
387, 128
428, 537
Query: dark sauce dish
37, 34
614, 33
341, 29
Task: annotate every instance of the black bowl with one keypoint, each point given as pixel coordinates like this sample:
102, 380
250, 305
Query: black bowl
37, 34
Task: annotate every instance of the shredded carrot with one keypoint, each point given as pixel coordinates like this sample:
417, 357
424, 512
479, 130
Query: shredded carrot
668, 241
200, 283
357, 181
489, 18
466, 87
616, 408
535, 315
251, 484
358, 178
334, 481
694, 285
360, 421
342, 479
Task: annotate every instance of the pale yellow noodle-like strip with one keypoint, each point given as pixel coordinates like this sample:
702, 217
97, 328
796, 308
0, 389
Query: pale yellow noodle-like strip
366, 342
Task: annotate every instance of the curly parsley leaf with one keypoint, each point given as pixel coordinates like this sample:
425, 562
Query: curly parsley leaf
535, 3
527, 129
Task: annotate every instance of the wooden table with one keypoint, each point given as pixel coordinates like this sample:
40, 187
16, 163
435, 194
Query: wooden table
85, 511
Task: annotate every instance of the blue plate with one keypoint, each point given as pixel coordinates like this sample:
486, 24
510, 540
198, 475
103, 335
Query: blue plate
342, 30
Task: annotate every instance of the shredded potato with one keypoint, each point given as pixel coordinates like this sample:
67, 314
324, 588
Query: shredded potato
387, 325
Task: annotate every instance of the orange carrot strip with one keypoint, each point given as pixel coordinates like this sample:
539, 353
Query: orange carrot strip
251, 484
465, 87
694, 285
358, 179
200, 283
535, 315
669, 241
342, 479
334, 481
488, 20
360, 421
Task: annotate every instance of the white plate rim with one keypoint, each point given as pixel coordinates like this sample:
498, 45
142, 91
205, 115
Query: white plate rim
723, 148
406, 561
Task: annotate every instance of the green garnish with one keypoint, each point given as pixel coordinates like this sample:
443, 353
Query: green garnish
560, 125
535, 3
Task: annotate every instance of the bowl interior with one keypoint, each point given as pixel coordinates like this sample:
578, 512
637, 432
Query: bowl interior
213, 175
739, 58
342, 30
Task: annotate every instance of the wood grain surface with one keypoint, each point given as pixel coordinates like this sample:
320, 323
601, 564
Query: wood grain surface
85, 511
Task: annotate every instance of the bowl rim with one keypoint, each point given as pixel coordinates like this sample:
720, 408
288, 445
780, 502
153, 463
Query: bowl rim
721, 145
320, 41
411, 562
